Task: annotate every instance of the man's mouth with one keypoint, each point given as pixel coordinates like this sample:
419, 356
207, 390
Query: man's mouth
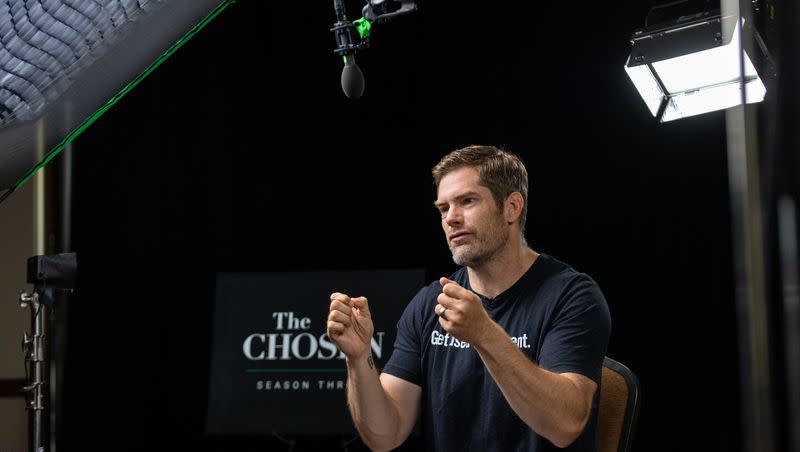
459, 237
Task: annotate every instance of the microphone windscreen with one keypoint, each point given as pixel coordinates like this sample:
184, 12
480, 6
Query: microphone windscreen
352, 81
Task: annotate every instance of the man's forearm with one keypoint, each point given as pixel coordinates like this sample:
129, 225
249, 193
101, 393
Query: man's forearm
374, 414
549, 403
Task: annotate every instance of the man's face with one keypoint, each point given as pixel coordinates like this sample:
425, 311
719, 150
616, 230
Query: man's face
473, 225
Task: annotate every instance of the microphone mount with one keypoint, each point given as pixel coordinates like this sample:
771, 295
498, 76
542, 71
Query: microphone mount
353, 37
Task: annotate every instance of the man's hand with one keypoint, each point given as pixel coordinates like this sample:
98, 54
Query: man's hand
350, 325
464, 316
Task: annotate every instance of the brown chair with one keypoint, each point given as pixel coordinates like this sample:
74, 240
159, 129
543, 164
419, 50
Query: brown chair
618, 408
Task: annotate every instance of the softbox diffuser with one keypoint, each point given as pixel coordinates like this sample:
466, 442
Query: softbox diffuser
63, 63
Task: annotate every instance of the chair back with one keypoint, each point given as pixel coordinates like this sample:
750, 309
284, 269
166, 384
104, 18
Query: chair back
618, 408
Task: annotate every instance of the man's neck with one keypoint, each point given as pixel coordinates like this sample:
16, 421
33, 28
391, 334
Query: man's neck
494, 277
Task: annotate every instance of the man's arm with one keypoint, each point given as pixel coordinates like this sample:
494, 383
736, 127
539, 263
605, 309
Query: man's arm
556, 406
384, 408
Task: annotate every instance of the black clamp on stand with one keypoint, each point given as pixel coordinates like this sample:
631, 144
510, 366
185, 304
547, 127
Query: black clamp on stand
47, 274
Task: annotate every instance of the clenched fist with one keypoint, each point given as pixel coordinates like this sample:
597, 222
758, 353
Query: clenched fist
350, 325
461, 312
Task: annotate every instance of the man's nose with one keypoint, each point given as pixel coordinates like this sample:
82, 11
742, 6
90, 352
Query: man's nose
453, 217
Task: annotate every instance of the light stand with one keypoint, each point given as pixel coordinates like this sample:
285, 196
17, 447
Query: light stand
675, 65
35, 370
47, 274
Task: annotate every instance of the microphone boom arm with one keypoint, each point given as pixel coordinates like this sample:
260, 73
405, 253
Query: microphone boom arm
379, 11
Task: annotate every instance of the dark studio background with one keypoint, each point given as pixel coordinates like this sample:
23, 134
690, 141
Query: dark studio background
241, 153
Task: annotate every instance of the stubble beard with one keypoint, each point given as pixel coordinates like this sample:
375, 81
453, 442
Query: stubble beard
486, 246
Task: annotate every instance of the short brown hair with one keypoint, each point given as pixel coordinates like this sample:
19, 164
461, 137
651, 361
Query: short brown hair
500, 171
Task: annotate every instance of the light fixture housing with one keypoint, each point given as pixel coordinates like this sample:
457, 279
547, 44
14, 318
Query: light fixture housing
690, 65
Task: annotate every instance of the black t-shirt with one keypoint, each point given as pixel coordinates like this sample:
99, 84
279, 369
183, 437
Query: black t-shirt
556, 316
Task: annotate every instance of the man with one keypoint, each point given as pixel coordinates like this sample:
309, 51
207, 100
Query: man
503, 355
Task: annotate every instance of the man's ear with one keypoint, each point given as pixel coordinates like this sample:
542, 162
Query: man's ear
512, 208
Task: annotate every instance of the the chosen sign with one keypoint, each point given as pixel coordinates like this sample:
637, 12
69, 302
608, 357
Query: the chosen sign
273, 367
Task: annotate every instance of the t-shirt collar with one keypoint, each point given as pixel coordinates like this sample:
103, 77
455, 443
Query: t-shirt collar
528, 276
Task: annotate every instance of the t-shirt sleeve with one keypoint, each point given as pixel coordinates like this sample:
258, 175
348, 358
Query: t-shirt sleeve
406, 362
578, 337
